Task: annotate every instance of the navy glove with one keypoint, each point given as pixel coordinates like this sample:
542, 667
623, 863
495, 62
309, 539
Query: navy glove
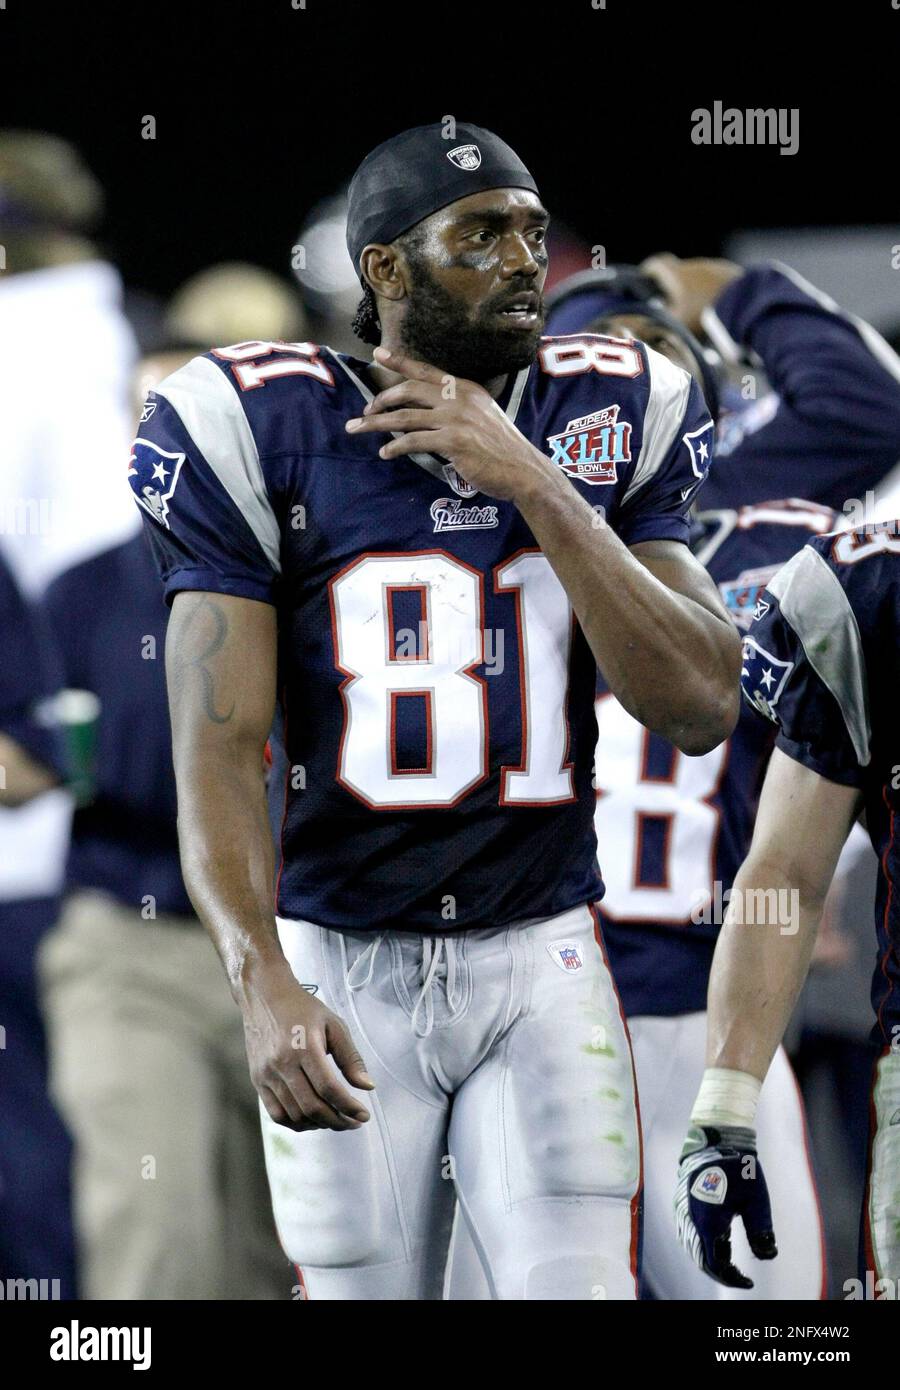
719, 1178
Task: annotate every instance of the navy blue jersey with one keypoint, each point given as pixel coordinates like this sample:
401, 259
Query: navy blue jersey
436, 721
673, 830
109, 620
830, 427
29, 675
822, 661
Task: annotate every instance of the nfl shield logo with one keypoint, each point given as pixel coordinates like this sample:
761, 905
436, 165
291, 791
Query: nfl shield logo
458, 482
566, 954
465, 156
710, 1186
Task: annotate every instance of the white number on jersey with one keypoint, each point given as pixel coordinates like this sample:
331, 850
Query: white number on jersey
609, 356
440, 673
297, 359
628, 798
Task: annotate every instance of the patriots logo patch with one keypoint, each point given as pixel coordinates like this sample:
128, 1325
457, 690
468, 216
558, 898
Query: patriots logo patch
710, 1186
699, 443
763, 677
153, 474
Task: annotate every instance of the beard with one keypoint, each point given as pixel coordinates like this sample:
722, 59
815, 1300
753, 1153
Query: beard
437, 329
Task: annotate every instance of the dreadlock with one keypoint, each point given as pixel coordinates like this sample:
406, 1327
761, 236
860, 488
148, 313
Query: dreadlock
366, 323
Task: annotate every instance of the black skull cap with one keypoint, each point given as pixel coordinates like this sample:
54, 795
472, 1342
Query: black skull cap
420, 171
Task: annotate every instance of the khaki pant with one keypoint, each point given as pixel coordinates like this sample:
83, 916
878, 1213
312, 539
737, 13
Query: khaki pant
148, 1070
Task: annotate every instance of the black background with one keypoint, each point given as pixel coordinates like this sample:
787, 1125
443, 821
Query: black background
261, 109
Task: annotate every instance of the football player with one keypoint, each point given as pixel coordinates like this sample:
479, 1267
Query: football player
672, 830
828, 374
822, 661
414, 566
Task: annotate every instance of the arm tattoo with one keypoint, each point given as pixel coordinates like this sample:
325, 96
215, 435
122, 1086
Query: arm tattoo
213, 645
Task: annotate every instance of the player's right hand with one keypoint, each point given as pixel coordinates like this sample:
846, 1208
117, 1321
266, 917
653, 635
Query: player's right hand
719, 1178
293, 1042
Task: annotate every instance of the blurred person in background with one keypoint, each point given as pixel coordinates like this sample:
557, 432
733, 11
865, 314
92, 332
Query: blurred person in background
61, 499
233, 303
675, 828
171, 1198
821, 422
63, 429
825, 420
36, 1241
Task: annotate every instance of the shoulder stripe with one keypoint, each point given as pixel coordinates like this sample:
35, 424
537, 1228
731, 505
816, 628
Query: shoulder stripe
212, 414
669, 390
813, 601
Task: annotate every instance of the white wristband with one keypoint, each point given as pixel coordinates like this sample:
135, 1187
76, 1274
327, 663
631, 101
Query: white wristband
726, 1098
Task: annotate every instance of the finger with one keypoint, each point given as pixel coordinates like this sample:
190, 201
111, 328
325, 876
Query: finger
407, 366
756, 1215
760, 1236
395, 420
422, 393
315, 1111
419, 442
663, 268
320, 1075
273, 1107
343, 1049
762, 1243
660, 263
723, 1269
293, 1115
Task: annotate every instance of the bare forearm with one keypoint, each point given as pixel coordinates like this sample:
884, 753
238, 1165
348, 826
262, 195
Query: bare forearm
759, 968
672, 663
220, 666
227, 858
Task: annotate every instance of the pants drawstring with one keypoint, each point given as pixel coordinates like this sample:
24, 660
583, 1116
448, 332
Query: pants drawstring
434, 951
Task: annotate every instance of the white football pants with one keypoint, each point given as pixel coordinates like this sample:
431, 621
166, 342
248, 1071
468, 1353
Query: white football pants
669, 1056
504, 1080
669, 1060
881, 1217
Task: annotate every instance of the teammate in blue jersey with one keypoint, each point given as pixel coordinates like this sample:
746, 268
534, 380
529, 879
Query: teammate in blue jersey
827, 425
673, 831
822, 661
419, 562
